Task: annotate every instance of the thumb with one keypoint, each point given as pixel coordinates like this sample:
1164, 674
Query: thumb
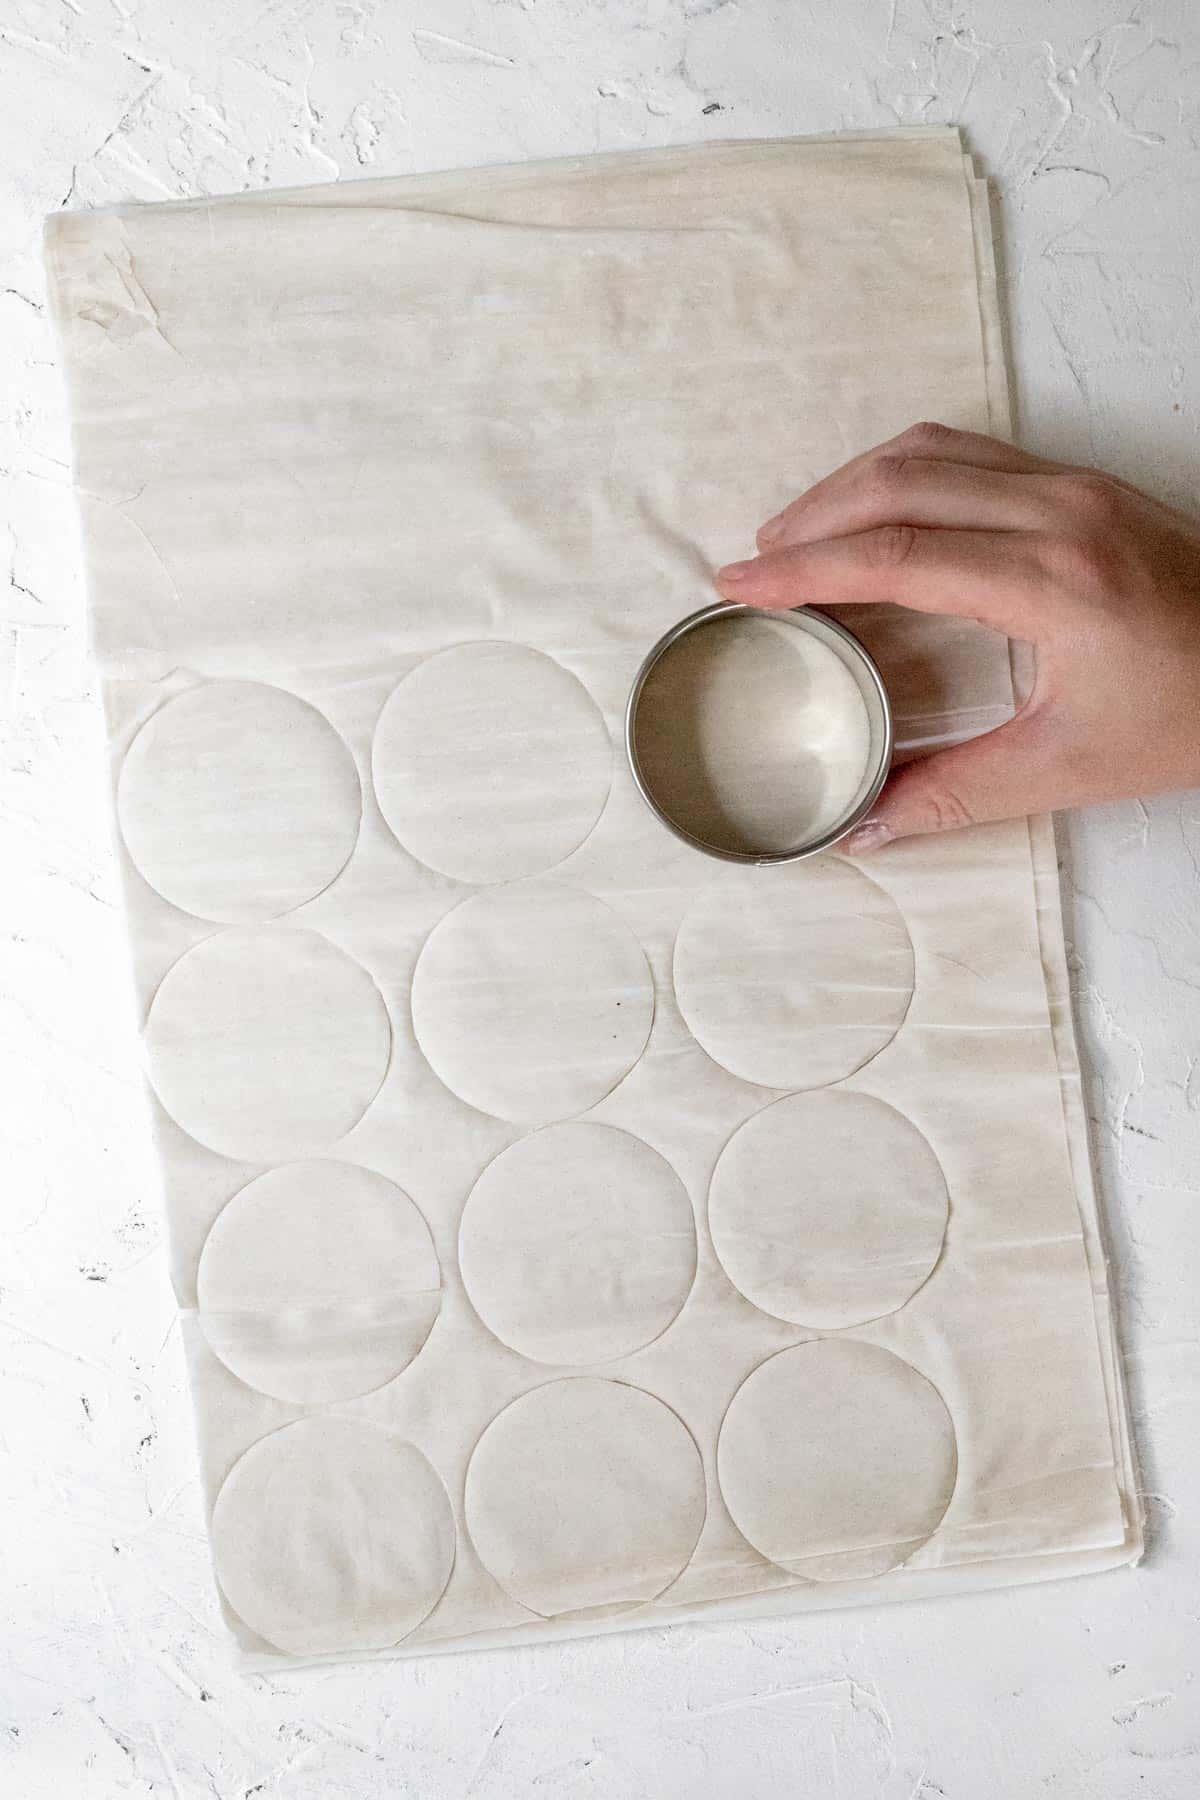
1004, 774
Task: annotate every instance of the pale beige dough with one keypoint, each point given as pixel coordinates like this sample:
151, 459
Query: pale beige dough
532, 1001
828, 1209
330, 441
267, 1043
332, 1535
238, 802
318, 1281
585, 1493
794, 976
491, 761
837, 1459
578, 1244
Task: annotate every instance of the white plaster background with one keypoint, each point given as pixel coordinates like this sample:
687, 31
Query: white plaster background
113, 1672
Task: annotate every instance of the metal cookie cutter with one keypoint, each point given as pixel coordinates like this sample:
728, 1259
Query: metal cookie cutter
865, 673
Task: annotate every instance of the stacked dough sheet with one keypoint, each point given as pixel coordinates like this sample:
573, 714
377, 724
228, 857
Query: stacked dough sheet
571, 1231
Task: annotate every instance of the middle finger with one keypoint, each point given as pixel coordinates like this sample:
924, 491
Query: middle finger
905, 490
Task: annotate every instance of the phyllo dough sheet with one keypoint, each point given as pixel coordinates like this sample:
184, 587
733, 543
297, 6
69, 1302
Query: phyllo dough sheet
571, 1231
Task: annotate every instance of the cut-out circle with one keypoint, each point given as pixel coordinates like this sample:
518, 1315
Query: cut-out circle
491, 761
837, 1460
532, 1001
267, 1044
332, 1535
828, 1209
578, 1244
238, 801
319, 1281
585, 1494
794, 977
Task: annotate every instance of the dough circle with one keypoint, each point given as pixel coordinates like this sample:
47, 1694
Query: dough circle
319, 1281
332, 1535
238, 801
578, 1244
491, 761
794, 977
828, 1209
837, 1460
532, 1002
585, 1494
267, 1043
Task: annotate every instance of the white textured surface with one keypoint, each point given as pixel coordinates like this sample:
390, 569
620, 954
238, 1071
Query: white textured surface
113, 1673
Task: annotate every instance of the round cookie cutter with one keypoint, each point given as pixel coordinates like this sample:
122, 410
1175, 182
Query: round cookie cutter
862, 667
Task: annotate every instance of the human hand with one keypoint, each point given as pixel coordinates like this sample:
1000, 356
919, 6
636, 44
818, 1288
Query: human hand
1102, 580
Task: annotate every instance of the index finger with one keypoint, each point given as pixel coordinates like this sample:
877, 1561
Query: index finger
924, 441
994, 577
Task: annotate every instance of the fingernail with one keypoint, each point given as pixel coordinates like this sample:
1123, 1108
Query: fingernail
771, 530
733, 572
871, 836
